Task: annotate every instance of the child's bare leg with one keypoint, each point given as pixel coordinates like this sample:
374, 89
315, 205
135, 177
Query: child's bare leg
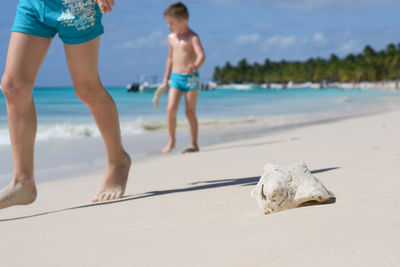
191, 100
25, 55
174, 96
82, 61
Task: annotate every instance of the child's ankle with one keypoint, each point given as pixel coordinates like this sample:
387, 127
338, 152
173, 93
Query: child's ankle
194, 145
171, 141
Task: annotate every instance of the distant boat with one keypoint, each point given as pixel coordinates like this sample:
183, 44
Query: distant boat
144, 87
240, 86
133, 87
208, 86
291, 85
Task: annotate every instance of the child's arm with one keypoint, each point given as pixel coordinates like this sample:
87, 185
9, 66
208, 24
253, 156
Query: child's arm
168, 66
105, 5
200, 56
164, 86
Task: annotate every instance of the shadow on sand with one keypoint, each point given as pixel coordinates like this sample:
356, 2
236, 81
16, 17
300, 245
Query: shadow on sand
202, 185
222, 147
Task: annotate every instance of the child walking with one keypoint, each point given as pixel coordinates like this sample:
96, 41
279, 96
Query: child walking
185, 57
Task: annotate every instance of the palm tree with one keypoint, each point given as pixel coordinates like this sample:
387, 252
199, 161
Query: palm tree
369, 65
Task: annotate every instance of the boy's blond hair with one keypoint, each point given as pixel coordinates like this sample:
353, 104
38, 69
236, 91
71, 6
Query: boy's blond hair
178, 11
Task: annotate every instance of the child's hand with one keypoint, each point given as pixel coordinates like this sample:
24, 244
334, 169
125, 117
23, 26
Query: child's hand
165, 83
159, 92
105, 5
191, 69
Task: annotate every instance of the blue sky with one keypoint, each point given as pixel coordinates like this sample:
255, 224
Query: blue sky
134, 42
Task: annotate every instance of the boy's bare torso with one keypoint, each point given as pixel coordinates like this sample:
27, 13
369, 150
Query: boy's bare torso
183, 54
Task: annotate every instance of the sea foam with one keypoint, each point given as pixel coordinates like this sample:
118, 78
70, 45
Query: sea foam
70, 131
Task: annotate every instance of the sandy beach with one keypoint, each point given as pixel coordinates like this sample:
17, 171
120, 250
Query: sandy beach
196, 210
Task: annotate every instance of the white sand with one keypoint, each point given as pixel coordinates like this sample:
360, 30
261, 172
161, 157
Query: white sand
196, 210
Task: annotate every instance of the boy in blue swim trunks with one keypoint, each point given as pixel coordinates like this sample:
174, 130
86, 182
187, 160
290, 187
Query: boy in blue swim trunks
78, 23
185, 57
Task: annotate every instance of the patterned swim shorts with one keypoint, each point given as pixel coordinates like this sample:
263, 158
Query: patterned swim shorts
185, 82
75, 21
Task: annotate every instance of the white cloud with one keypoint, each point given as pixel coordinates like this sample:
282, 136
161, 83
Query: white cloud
279, 41
350, 46
324, 4
308, 4
314, 45
318, 37
245, 39
155, 39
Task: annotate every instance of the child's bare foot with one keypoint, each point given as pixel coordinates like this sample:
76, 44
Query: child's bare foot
114, 183
191, 149
168, 147
17, 193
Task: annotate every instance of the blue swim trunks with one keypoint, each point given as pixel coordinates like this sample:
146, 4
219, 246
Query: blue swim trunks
185, 82
75, 21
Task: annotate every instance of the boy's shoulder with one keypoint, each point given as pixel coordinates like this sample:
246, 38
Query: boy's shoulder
193, 33
188, 37
190, 33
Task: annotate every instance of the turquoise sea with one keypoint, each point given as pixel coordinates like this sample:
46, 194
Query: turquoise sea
69, 143
62, 116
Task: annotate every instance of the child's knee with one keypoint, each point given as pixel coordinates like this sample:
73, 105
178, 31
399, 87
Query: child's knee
87, 92
15, 90
190, 113
172, 110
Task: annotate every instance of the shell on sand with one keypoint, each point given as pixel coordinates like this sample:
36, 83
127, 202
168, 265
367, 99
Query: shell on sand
286, 186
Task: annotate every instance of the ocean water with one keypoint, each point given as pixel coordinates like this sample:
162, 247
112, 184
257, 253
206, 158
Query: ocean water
69, 143
62, 116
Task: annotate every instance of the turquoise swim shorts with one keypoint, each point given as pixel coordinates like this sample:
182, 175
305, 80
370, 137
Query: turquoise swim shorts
185, 82
75, 21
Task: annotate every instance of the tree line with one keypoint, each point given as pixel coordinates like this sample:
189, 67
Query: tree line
370, 65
